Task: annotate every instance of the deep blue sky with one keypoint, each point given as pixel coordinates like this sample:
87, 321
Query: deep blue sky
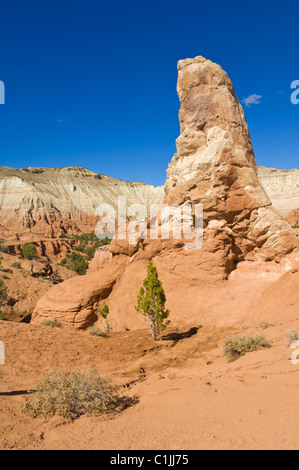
93, 83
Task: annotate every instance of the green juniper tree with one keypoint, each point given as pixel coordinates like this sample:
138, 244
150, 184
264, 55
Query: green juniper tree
3, 296
104, 314
151, 302
29, 252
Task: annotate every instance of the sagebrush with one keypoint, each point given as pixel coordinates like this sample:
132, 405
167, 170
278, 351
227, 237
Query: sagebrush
70, 395
52, 323
95, 331
236, 347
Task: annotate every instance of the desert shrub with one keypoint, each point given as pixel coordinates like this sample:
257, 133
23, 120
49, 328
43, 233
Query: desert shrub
292, 335
79, 248
265, 325
29, 252
16, 265
76, 262
95, 331
151, 302
3, 297
237, 346
3, 248
63, 262
2, 315
52, 323
3, 291
90, 251
71, 395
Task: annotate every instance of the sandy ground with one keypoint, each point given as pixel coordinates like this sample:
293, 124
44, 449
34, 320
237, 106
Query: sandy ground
184, 393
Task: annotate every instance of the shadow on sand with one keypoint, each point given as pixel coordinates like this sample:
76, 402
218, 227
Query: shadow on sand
15, 393
175, 337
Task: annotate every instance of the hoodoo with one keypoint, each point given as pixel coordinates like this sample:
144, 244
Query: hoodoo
215, 166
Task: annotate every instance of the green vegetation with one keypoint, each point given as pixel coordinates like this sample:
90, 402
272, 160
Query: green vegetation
29, 252
295, 226
104, 314
78, 260
236, 347
71, 395
89, 243
95, 331
3, 296
2, 315
151, 302
3, 291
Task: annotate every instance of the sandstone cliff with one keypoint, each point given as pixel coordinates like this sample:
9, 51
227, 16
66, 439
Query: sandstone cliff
282, 188
51, 202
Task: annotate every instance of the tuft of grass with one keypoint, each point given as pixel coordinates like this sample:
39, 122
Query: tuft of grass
265, 325
236, 347
203, 340
95, 331
70, 395
52, 323
292, 335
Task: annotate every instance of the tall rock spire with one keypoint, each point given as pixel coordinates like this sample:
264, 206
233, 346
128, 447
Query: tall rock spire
215, 165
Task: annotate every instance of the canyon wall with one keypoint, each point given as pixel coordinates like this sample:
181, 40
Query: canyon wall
52, 202
282, 188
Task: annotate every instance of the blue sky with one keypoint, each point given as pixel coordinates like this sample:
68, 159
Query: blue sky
93, 83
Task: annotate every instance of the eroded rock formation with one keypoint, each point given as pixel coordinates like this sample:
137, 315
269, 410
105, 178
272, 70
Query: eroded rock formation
53, 202
214, 166
282, 188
